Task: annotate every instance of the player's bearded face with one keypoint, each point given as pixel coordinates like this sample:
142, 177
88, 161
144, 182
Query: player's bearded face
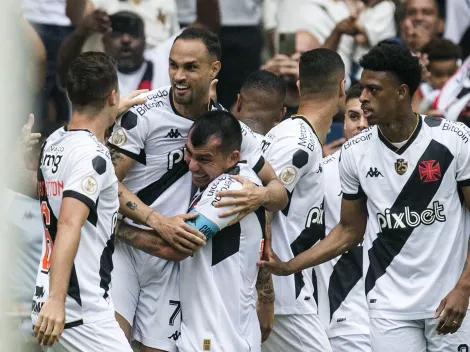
354, 120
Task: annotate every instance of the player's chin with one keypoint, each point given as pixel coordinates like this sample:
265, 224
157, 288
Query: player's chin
201, 181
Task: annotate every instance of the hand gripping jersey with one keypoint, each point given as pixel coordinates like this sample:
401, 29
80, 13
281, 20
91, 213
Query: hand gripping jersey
343, 307
416, 242
217, 284
75, 164
154, 134
295, 152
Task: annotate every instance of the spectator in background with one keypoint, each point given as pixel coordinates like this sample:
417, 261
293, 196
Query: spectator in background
241, 41
260, 103
444, 57
457, 28
124, 41
159, 16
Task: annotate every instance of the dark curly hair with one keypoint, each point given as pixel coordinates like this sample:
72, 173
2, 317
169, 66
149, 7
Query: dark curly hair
442, 49
397, 61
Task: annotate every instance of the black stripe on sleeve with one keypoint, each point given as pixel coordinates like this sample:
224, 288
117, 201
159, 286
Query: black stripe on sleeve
416, 195
226, 243
259, 165
73, 324
464, 183
141, 158
93, 216
359, 195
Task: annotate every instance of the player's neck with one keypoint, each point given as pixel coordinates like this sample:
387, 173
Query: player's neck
401, 128
94, 124
320, 115
192, 111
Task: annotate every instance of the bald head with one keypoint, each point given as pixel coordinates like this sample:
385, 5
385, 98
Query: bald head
261, 101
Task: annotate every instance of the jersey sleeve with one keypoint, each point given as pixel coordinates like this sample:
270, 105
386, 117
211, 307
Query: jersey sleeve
289, 160
129, 135
208, 221
86, 176
463, 157
251, 149
350, 184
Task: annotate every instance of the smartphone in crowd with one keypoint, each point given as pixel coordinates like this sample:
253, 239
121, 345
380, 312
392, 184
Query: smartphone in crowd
286, 44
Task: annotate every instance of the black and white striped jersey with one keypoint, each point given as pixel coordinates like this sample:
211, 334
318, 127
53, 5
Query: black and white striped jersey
218, 282
342, 301
154, 135
295, 152
416, 243
75, 164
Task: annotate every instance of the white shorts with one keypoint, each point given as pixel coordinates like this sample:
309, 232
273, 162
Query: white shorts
145, 291
297, 333
351, 343
417, 336
103, 335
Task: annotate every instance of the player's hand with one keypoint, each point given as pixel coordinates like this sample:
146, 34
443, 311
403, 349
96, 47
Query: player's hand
96, 22
51, 322
27, 143
178, 233
452, 311
347, 26
130, 99
273, 264
332, 147
213, 90
265, 312
244, 201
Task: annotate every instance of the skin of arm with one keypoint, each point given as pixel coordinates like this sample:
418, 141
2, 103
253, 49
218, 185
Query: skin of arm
37, 65
76, 10
275, 195
148, 242
208, 15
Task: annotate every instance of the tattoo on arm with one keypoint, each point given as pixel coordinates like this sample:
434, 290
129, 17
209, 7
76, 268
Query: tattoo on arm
264, 286
135, 238
119, 194
131, 205
116, 157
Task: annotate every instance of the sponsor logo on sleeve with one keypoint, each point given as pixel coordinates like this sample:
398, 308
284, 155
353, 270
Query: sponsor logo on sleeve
287, 175
89, 185
119, 137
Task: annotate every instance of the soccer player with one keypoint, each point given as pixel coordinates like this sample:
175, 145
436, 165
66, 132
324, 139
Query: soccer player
343, 306
294, 149
148, 153
410, 173
78, 193
260, 103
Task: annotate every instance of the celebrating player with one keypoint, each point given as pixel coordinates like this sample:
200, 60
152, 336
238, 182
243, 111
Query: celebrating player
342, 302
78, 193
148, 153
409, 172
294, 149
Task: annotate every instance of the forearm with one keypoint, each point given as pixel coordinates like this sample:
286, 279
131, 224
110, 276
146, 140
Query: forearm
149, 242
336, 243
76, 10
332, 42
63, 255
133, 208
71, 47
25, 182
264, 286
275, 196
464, 280
208, 14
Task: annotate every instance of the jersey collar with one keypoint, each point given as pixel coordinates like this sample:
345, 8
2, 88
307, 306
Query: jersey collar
66, 128
302, 117
211, 106
410, 141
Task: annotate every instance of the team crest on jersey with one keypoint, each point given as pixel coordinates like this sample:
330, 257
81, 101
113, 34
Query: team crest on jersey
206, 345
401, 166
89, 185
287, 175
429, 171
119, 137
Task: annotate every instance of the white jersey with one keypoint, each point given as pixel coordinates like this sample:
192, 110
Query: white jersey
295, 152
154, 135
343, 307
218, 283
75, 164
416, 232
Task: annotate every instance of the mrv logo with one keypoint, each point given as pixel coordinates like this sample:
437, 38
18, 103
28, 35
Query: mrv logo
411, 218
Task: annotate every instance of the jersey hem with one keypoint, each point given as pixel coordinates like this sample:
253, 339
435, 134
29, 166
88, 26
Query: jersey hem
347, 331
349, 196
297, 311
401, 316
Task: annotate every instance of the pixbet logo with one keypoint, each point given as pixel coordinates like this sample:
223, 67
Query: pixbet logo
409, 218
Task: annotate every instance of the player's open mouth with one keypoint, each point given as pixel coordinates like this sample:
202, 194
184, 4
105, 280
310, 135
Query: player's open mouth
181, 88
367, 112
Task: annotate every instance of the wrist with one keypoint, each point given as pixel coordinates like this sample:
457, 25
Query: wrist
263, 195
83, 32
58, 297
464, 287
154, 220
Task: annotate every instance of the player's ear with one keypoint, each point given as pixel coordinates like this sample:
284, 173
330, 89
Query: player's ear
234, 157
239, 102
402, 92
298, 85
216, 65
342, 91
113, 98
283, 113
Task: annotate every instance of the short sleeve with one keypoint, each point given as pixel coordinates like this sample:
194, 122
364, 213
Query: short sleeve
87, 175
289, 160
463, 157
208, 220
350, 184
251, 149
129, 135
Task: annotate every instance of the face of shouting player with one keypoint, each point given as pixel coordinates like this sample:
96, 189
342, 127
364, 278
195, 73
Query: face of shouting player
207, 162
192, 69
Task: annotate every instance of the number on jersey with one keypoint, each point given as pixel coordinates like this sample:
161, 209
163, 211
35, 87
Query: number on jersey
46, 259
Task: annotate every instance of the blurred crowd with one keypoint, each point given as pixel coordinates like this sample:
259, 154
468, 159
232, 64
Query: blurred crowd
269, 34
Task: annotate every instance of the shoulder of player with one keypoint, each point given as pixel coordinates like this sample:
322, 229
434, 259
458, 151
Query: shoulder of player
221, 183
361, 140
157, 100
331, 158
447, 128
